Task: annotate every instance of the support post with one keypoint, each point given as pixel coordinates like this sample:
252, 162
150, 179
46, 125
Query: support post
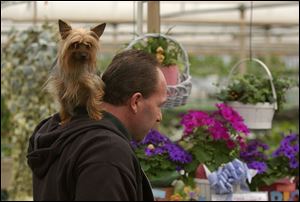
153, 17
242, 68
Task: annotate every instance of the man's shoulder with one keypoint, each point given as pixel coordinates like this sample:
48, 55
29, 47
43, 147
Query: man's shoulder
103, 145
105, 136
110, 137
105, 128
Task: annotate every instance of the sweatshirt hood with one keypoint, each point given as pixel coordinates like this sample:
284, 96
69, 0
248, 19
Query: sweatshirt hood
50, 138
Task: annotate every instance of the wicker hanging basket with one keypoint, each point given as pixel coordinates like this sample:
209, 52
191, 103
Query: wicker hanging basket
178, 93
260, 115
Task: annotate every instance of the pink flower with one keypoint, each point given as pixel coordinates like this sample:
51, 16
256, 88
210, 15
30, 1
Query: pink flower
230, 144
194, 119
223, 124
233, 118
241, 142
241, 127
218, 131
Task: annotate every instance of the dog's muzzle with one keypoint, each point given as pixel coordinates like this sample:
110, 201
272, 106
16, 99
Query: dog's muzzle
81, 56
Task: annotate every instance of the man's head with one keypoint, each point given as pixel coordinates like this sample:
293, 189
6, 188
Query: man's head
137, 89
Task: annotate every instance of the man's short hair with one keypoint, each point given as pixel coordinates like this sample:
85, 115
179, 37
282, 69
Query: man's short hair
129, 72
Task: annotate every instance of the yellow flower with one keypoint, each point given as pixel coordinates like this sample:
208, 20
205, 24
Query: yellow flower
151, 146
186, 190
160, 57
160, 50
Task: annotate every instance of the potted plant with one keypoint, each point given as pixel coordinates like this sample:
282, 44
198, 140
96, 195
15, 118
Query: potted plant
162, 160
276, 170
213, 138
167, 52
253, 97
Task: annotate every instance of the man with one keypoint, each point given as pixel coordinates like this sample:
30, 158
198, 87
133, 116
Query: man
92, 160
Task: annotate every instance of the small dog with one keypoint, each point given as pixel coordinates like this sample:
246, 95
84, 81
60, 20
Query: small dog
73, 81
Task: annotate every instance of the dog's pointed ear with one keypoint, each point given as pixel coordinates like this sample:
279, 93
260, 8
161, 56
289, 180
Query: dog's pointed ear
99, 29
64, 29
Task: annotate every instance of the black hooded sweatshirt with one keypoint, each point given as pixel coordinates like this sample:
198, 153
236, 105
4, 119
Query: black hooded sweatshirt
85, 160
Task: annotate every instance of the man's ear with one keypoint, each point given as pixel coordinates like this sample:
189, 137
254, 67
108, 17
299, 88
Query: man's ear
99, 29
135, 101
64, 29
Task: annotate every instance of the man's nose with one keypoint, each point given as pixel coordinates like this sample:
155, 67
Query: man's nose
159, 118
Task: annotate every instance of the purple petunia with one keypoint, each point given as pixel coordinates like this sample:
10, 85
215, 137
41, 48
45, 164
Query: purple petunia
253, 155
177, 154
159, 151
289, 147
294, 163
154, 137
134, 144
296, 148
158, 144
261, 167
149, 152
289, 152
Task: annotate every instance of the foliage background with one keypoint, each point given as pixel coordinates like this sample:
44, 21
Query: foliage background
25, 63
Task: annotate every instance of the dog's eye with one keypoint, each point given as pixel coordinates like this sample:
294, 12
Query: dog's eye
88, 45
74, 45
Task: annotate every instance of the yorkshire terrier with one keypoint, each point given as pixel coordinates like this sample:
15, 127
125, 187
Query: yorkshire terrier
73, 81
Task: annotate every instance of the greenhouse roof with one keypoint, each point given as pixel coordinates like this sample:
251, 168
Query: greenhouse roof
204, 27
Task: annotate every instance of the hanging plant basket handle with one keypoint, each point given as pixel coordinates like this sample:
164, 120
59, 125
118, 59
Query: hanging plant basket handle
264, 67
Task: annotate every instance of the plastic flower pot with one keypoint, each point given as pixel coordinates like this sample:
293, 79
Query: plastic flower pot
281, 185
171, 74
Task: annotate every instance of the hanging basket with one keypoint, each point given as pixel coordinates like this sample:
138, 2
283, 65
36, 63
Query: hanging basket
179, 91
260, 115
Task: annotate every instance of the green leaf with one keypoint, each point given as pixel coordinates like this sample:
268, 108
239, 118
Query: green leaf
164, 179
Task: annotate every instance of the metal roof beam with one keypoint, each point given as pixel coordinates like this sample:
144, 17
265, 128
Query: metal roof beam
230, 9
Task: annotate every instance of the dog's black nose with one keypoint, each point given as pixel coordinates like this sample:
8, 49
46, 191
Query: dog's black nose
81, 56
84, 55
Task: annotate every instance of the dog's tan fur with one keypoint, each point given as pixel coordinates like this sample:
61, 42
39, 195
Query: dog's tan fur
73, 81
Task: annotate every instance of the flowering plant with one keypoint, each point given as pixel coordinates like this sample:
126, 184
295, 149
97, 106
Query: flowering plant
254, 155
283, 162
288, 153
213, 139
160, 157
167, 52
